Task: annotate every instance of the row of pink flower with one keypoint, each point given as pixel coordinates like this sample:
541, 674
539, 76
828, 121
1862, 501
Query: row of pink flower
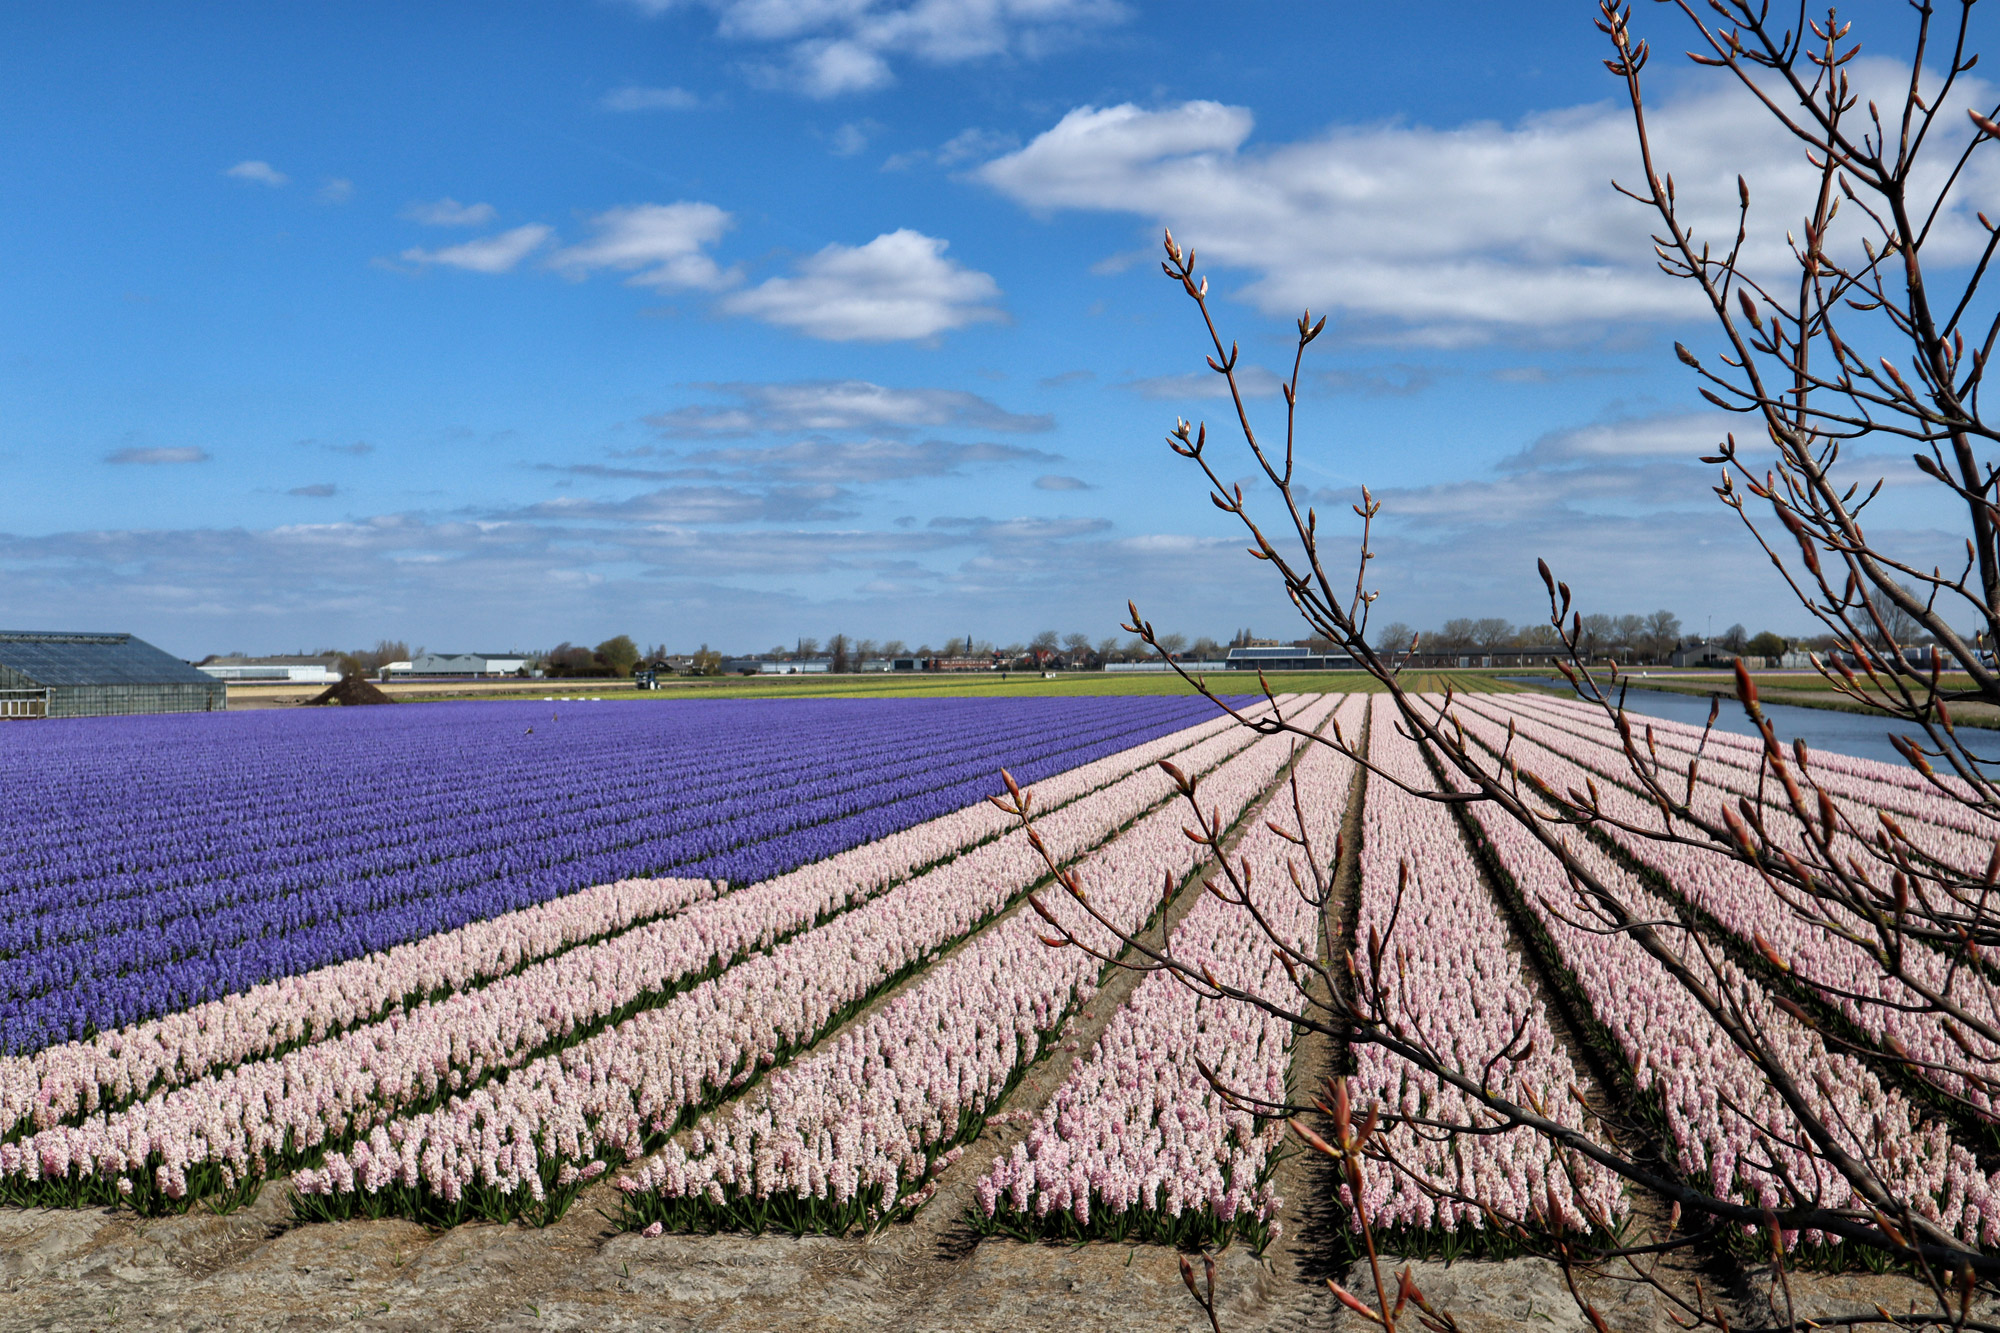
609, 1092
1453, 978
1925, 818
1739, 900
1893, 787
874, 1110
1745, 905
252, 1116
1699, 1074
1137, 1127
64, 1082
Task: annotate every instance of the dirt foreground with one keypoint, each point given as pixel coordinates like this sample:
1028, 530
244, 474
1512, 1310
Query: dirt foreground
254, 1270
249, 1271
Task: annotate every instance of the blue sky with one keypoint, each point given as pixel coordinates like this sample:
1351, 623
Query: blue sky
495, 325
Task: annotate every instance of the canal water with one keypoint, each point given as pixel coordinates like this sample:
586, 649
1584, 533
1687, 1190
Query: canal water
1822, 728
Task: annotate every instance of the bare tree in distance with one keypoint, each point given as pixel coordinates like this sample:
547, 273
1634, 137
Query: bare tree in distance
1457, 635
1596, 631
1848, 335
1662, 632
1492, 632
1395, 637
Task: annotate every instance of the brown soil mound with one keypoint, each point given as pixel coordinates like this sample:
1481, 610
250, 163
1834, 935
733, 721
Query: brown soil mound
353, 690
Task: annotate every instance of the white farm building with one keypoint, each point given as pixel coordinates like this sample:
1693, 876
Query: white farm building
469, 666
273, 670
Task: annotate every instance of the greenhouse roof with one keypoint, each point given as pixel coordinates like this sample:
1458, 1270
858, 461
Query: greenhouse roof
55, 658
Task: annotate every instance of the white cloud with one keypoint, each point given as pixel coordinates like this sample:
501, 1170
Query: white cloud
1682, 437
1025, 529
665, 243
1254, 381
827, 48
851, 138
635, 98
838, 405
1452, 234
261, 172
336, 190
865, 461
961, 147
820, 462
707, 504
449, 212
898, 286
319, 490
158, 457
826, 69
968, 144
489, 254
1055, 482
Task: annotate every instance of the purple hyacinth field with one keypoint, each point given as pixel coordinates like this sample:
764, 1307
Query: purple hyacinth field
157, 862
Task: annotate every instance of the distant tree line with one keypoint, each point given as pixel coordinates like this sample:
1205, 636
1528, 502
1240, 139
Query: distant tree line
1632, 638
1628, 638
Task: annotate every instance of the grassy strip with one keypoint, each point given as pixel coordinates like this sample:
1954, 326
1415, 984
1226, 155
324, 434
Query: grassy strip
981, 684
1781, 690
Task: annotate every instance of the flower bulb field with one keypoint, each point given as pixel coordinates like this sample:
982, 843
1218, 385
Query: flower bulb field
750, 965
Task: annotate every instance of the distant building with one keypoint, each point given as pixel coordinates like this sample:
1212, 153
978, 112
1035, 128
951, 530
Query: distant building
1188, 664
962, 662
774, 666
1695, 653
278, 670
1287, 658
460, 665
51, 674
